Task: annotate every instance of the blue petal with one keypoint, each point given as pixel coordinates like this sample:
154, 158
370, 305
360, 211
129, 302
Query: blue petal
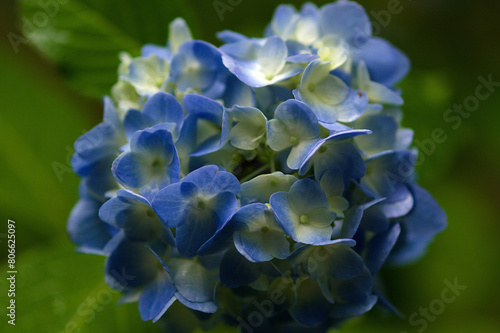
283, 20
194, 283
349, 310
128, 170
352, 290
101, 141
98, 178
260, 247
164, 108
271, 56
210, 180
387, 175
254, 243
228, 36
299, 153
343, 263
383, 138
324, 162
427, 218
238, 93
160, 51
152, 162
124, 200
302, 58
306, 195
268, 98
353, 107
311, 308
223, 205
387, 65
374, 220
133, 214
130, 265
418, 228
251, 74
135, 121
348, 20
379, 247
157, 297
352, 218
298, 118
171, 203
208, 75
85, 228
205, 307
236, 271
201, 226
203, 107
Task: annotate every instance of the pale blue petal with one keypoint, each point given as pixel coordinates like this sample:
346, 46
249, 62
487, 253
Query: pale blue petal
299, 153
348, 20
271, 57
228, 36
262, 187
306, 195
179, 33
156, 298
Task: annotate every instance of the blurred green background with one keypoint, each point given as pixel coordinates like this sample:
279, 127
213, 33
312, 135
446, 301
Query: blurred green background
50, 98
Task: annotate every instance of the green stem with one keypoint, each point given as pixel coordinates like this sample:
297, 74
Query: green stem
255, 173
273, 164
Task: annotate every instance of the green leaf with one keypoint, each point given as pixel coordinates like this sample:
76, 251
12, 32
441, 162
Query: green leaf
58, 290
84, 37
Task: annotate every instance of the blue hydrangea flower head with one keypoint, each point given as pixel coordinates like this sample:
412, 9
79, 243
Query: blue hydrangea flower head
222, 176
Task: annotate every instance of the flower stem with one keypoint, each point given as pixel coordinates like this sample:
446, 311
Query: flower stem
255, 173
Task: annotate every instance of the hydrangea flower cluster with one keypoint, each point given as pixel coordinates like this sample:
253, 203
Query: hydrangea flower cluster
263, 183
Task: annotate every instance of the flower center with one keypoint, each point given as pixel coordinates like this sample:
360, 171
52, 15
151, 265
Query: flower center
294, 140
303, 219
157, 163
201, 204
265, 229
